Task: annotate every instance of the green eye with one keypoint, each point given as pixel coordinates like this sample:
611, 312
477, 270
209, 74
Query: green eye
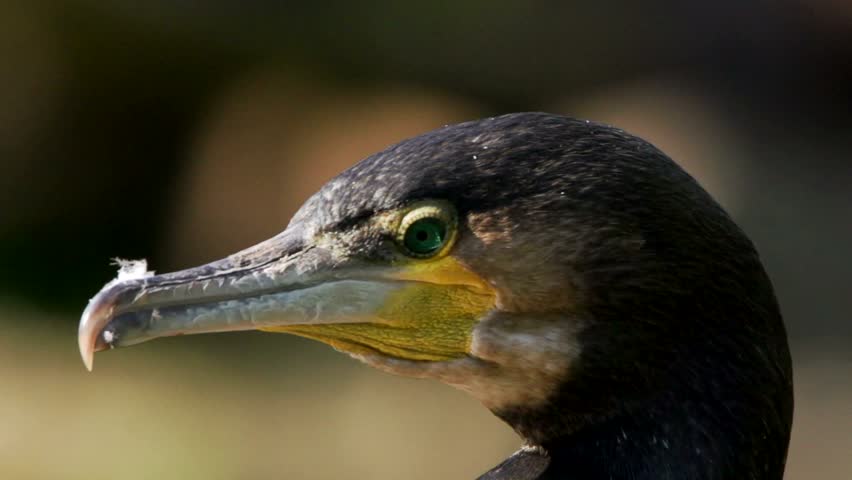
425, 236
427, 229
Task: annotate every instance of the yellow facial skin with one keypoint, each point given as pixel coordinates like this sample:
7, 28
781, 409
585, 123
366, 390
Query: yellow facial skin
430, 319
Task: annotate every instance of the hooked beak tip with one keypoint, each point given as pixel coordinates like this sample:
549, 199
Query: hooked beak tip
93, 320
86, 338
88, 355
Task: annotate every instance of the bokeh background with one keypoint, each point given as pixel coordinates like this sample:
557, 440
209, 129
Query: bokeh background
183, 131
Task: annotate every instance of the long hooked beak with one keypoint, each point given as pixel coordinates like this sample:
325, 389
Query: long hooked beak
277, 283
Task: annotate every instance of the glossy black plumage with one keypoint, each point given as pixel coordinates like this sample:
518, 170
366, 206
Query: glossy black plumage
685, 370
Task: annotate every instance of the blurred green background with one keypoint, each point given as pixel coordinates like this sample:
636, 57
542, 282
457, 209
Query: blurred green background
183, 131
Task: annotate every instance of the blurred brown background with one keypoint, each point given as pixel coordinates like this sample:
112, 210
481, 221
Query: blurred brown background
183, 131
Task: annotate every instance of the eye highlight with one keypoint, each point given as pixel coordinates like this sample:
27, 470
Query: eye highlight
427, 231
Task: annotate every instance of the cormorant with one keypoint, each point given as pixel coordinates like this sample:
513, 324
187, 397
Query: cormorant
565, 273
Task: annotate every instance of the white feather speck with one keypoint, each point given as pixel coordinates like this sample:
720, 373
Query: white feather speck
131, 269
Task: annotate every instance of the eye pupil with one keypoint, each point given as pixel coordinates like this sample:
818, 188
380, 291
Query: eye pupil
425, 236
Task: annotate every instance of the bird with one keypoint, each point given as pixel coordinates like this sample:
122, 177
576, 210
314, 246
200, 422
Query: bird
567, 274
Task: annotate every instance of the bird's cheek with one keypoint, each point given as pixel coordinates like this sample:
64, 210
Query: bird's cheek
422, 321
436, 318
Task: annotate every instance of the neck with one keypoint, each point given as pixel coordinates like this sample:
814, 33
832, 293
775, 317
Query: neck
659, 440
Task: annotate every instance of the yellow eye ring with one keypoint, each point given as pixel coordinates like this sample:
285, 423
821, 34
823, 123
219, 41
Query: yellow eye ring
427, 230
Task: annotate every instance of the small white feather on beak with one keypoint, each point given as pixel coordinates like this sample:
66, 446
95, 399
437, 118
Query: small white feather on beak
131, 269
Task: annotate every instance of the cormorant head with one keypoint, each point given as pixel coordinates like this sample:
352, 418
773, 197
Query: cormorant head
555, 269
